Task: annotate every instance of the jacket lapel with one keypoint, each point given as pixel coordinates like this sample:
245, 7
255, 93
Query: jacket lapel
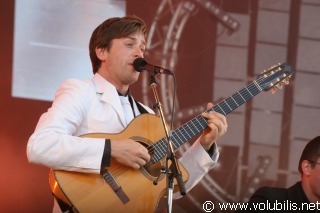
109, 95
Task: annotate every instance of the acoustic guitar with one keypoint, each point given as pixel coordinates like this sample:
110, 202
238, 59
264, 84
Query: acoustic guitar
123, 189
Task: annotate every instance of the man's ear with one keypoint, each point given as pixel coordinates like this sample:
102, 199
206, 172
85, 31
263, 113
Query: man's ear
101, 53
306, 167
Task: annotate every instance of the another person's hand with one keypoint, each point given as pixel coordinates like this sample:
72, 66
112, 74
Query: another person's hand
217, 126
129, 153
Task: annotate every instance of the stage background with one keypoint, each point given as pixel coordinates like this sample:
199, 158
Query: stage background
211, 62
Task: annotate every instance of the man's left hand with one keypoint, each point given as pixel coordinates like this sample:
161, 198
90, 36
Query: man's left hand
217, 126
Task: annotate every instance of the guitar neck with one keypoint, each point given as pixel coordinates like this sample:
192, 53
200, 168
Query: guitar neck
198, 124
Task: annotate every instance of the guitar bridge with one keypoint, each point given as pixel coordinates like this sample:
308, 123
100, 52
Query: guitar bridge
115, 186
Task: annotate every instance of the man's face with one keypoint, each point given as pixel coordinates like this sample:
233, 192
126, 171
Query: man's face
117, 66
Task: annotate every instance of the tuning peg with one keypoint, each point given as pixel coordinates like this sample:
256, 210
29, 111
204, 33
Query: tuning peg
286, 82
280, 85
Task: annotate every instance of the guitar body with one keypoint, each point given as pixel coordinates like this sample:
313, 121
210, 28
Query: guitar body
91, 193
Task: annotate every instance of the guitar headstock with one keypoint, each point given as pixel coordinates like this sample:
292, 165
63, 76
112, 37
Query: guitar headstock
275, 77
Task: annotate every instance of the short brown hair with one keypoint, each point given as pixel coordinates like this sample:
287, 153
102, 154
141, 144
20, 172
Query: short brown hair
311, 152
111, 29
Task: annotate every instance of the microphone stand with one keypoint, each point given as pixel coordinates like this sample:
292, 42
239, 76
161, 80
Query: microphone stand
173, 171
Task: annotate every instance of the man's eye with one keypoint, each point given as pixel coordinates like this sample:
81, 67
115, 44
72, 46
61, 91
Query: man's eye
129, 44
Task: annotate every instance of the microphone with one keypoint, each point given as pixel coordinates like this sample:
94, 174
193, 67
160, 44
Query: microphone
140, 65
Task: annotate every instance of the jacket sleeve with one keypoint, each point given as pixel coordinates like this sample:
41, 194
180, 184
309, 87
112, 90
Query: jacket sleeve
197, 162
54, 143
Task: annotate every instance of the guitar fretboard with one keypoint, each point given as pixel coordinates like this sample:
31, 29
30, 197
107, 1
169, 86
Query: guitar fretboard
199, 123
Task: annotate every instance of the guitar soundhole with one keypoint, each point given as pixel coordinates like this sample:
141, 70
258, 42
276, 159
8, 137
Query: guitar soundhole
151, 171
154, 169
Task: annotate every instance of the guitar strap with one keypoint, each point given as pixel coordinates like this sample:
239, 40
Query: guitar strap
141, 109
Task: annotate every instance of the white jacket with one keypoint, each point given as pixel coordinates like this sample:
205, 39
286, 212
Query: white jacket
91, 106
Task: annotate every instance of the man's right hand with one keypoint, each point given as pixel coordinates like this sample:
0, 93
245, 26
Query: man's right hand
129, 153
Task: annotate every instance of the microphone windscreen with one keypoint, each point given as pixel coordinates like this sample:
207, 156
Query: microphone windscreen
139, 64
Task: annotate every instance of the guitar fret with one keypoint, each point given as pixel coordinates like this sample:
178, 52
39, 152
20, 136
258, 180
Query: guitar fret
155, 148
191, 129
194, 126
186, 131
245, 93
199, 128
198, 125
257, 88
178, 136
203, 127
203, 121
160, 148
223, 112
257, 85
241, 97
175, 140
180, 133
164, 145
228, 106
231, 103
234, 100
156, 158
249, 91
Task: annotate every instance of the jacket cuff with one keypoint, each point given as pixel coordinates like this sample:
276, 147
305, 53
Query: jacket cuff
106, 157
